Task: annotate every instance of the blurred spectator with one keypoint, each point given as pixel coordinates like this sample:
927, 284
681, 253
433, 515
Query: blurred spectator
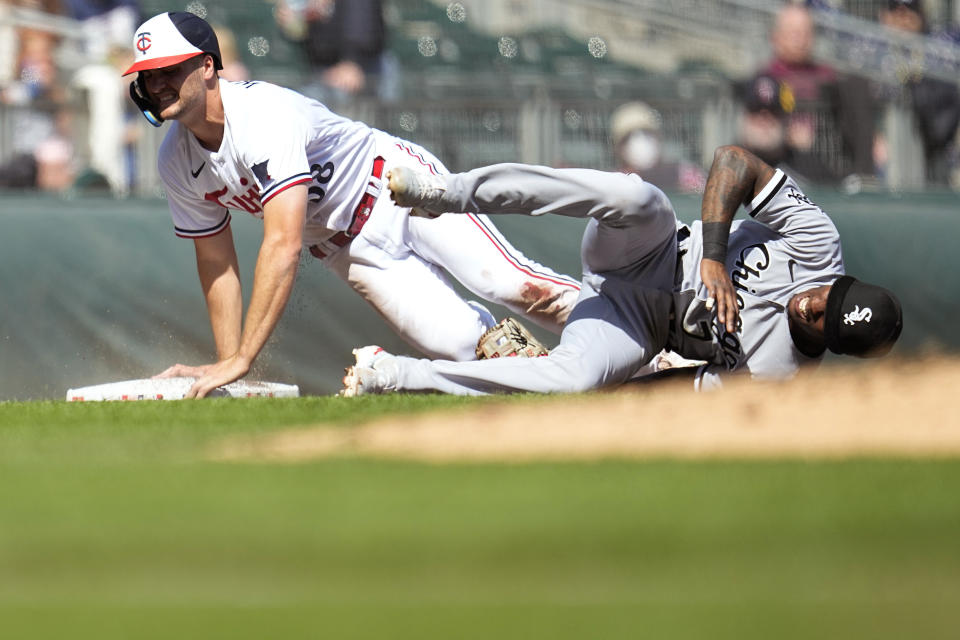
905, 15
936, 103
762, 130
54, 155
8, 47
35, 75
824, 106
765, 129
233, 67
792, 40
107, 27
110, 131
344, 43
636, 130
105, 24
11, 40
41, 154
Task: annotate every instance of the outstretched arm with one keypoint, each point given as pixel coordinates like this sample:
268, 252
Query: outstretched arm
273, 279
276, 270
220, 280
736, 176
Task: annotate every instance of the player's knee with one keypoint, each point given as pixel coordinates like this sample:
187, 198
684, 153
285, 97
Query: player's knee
442, 341
641, 200
459, 348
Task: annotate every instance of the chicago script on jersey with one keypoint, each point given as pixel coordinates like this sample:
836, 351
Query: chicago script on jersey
749, 265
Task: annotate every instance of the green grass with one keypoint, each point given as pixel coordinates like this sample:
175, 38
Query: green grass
112, 525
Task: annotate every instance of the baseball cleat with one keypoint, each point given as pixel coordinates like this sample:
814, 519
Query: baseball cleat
374, 372
418, 190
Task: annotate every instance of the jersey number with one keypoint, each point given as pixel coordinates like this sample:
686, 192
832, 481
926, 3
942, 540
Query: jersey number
321, 175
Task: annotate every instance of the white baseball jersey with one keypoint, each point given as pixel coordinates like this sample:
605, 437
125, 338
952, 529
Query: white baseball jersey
789, 246
273, 138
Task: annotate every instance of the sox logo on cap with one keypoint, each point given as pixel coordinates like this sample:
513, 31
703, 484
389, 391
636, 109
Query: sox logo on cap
858, 315
861, 319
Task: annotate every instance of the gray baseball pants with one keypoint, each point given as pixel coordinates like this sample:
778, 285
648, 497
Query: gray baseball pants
629, 255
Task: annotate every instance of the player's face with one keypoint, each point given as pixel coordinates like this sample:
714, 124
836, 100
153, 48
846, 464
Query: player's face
176, 89
806, 313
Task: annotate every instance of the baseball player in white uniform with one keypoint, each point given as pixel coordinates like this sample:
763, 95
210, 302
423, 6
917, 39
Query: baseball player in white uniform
316, 181
763, 296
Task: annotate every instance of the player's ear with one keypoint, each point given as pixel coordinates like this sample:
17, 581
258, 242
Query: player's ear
209, 64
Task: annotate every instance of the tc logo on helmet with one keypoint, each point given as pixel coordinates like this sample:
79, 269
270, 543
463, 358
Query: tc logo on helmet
143, 41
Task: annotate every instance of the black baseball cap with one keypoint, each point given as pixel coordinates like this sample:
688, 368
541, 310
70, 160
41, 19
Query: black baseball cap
766, 93
862, 319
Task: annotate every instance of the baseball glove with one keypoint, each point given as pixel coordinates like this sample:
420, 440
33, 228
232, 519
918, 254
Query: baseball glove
508, 339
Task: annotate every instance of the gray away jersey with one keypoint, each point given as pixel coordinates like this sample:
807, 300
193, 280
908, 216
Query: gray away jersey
788, 246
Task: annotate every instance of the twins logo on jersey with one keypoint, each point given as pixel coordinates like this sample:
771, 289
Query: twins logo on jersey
249, 201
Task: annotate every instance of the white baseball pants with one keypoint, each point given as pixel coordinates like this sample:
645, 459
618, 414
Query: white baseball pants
399, 265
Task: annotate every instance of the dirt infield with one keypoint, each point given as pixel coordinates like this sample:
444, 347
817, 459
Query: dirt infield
887, 409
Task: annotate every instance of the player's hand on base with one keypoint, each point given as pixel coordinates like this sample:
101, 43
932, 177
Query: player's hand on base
217, 375
720, 288
183, 371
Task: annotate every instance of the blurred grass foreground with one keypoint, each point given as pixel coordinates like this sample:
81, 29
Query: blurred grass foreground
114, 525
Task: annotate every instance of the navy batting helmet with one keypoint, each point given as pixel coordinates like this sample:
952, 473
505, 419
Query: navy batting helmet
164, 40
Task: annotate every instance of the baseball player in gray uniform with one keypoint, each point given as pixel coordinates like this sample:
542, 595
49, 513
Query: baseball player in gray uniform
315, 180
763, 296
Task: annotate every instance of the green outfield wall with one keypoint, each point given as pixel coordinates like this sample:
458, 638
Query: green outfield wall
95, 290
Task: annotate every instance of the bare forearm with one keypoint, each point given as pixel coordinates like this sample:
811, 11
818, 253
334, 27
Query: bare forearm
273, 281
225, 306
732, 182
275, 273
219, 276
735, 177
